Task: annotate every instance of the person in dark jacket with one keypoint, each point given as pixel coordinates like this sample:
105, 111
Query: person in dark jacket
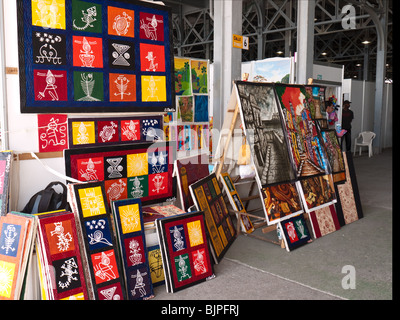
347, 118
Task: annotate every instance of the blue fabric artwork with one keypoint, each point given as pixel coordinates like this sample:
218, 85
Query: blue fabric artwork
201, 108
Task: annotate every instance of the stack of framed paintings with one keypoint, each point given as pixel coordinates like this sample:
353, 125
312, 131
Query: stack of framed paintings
128, 220
99, 249
95, 56
142, 170
17, 238
58, 250
185, 254
208, 197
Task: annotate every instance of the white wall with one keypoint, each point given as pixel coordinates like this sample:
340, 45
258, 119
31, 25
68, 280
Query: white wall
362, 97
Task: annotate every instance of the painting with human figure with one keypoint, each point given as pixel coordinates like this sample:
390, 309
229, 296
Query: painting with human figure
315, 96
304, 139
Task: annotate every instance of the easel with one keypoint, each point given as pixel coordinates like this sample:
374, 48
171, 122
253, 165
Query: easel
231, 121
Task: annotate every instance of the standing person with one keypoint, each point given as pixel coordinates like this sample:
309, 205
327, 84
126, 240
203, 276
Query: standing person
347, 118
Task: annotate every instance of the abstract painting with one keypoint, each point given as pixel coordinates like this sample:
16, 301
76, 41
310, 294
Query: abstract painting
142, 170
264, 132
95, 56
208, 197
305, 143
281, 201
93, 132
97, 241
295, 232
128, 219
185, 254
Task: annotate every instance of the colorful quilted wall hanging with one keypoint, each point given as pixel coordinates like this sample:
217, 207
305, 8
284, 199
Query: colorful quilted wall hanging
142, 170
17, 236
295, 232
106, 131
208, 197
97, 241
348, 206
304, 139
281, 201
58, 250
184, 248
95, 56
52, 132
128, 220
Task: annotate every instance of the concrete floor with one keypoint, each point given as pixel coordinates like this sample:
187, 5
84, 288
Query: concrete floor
256, 270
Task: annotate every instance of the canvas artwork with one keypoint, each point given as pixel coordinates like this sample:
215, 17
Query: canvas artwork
119, 130
208, 197
236, 202
156, 265
199, 74
186, 108
281, 201
305, 143
142, 170
58, 250
128, 220
95, 56
52, 132
334, 154
200, 108
324, 221
17, 236
315, 96
105, 280
264, 132
189, 170
192, 137
317, 191
295, 232
185, 253
183, 83
5, 167
348, 206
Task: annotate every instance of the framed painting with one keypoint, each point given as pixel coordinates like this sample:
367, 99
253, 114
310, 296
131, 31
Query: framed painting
236, 202
208, 197
304, 139
128, 219
315, 96
348, 205
334, 154
317, 192
95, 56
183, 83
97, 131
185, 253
295, 232
142, 170
324, 221
281, 201
264, 132
58, 250
97, 241
188, 171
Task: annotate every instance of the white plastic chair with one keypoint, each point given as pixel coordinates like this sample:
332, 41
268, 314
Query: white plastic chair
367, 138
